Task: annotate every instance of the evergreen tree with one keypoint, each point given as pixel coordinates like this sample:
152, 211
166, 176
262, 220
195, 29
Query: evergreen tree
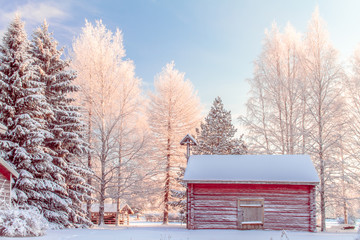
66, 144
216, 135
179, 195
25, 112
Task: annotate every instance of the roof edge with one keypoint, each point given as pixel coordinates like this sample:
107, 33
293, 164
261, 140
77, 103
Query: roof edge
188, 137
9, 168
251, 182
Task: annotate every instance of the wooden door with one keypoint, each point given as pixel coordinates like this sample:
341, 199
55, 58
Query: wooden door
250, 213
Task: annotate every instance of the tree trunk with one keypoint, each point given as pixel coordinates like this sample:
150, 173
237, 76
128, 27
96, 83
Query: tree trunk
322, 176
102, 192
343, 184
117, 218
118, 189
102, 185
322, 194
303, 119
89, 163
167, 186
101, 206
346, 221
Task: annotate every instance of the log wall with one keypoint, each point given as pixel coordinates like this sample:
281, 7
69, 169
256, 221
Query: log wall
5, 191
215, 206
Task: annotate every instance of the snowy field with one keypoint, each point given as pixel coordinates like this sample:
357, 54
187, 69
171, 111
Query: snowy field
156, 231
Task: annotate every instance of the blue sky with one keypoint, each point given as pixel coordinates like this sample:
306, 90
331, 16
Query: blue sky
213, 42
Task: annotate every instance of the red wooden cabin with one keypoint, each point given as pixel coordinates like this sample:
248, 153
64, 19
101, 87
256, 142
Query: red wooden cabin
251, 192
7, 174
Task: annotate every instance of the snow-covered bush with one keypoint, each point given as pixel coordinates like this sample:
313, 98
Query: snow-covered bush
153, 217
340, 220
158, 217
175, 217
22, 223
351, 220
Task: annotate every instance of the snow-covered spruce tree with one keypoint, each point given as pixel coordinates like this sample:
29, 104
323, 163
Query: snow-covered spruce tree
174, 111
179, 196
216, 135
66, 143
25, 112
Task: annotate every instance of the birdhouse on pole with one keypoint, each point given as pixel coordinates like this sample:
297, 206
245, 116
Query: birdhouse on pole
188, 140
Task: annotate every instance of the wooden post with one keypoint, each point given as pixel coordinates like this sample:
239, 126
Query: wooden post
188, 140
187, 151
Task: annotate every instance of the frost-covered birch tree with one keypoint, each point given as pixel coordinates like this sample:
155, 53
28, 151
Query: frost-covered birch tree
296, 104
97, 52
111, 95
348, 168
174, 110
133, 146
67, 144
217, 134
325, 77
276, 119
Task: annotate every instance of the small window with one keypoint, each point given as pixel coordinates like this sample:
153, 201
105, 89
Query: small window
251, 213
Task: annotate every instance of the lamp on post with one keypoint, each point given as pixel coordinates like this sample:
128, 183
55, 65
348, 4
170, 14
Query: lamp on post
188, 140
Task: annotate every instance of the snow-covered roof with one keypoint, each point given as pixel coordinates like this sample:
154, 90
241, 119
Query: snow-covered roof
188, 139
4, 165
111, 207
275, 169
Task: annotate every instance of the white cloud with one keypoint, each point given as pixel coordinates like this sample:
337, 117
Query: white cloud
36, 12
33, 13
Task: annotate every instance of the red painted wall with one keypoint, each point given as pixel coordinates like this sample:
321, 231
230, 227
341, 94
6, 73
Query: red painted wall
214, 206
5, 172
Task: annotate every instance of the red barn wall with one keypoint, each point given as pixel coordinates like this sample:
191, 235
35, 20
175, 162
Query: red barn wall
214, 206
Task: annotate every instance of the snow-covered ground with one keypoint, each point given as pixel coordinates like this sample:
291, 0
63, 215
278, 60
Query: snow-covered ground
156, 231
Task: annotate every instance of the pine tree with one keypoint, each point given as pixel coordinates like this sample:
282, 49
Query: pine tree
25, 112
67, 142
216, 135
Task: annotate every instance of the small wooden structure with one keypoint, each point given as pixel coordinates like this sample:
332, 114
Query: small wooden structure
110, 213
189, 141
251, 192
7, 173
